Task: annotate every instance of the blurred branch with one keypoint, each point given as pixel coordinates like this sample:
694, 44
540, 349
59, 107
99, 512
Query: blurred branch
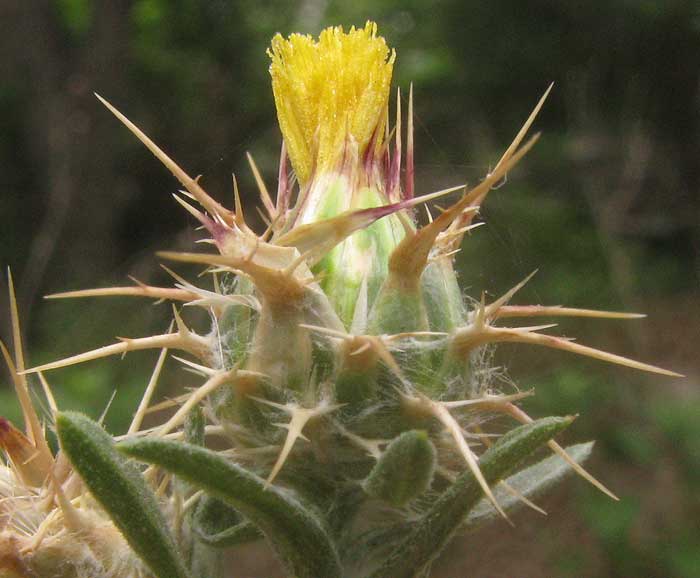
60, 75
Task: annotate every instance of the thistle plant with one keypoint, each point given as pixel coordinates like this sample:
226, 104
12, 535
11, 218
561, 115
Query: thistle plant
344, 410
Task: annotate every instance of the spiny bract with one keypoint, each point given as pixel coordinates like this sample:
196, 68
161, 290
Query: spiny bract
345, 375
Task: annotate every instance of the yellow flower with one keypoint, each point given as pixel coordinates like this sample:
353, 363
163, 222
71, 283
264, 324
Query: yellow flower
330, 94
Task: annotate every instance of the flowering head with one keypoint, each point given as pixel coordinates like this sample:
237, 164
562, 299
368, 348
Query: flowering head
331, 96
342, 324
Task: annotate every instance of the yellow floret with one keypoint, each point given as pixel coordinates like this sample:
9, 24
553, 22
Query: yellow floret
329, 91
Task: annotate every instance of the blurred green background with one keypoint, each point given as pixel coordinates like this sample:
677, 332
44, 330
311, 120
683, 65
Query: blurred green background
607, 207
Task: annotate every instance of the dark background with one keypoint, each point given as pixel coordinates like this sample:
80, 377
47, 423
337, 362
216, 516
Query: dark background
607, 207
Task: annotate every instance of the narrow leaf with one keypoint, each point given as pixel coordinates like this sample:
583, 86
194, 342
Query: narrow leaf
194, 426
405, 469
297, 534
218, 525
435, 529
121, 490
204, 559
530, 483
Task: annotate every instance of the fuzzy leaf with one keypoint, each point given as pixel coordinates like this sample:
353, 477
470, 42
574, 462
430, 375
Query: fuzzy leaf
435, 529
194, 426
530, 482
121, 490
297, 534
194, 434
204, 559
217, 524
405, 469
342, 511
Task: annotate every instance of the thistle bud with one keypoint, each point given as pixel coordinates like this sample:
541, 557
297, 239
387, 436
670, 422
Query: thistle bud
332, 100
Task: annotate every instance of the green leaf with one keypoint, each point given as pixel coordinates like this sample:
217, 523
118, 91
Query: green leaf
343, 509
405, 469
194, 427
435, 529
193, 430
217, 524
530, 482
203, 559
296, 533
121, 490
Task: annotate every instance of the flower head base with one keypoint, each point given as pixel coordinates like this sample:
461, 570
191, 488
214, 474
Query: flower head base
330, 92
